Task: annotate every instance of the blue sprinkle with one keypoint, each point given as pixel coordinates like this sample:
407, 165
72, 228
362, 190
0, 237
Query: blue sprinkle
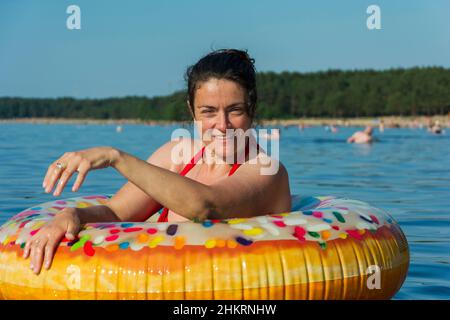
71, 243
243, 241
35, 208
172, 229
32, 215
307, 213
364, 218
127, 225
207, 223
124, 245
327, 220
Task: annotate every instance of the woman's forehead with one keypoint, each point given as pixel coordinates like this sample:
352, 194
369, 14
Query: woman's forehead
219, 91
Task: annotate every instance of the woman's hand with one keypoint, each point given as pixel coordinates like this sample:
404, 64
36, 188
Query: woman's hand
79, 161
42, 245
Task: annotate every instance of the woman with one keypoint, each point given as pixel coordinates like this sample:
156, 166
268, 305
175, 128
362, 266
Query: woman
222, 98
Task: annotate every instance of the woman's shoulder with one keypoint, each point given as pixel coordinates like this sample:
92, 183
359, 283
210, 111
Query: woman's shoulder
266, 166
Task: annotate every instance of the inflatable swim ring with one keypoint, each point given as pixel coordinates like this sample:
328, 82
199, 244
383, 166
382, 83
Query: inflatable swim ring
326, 248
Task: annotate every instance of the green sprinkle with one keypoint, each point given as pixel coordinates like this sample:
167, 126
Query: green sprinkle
314, 234
323, 245
339, 216
22, 245
80, 243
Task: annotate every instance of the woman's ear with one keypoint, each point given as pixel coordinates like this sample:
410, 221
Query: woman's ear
190, 109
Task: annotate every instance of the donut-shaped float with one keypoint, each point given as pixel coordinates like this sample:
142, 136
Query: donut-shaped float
326, 248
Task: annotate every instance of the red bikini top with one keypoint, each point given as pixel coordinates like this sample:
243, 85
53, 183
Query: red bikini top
165, 213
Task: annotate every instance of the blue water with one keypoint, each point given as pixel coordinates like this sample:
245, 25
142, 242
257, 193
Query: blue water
407, 173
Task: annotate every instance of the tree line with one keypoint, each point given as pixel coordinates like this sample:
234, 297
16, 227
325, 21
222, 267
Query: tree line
285, 95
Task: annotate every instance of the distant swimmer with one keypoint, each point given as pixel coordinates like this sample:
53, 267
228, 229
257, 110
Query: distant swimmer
119, 129
334, 129
436, 128
381, 126
362, 136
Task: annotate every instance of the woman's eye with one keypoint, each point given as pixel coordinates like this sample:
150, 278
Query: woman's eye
237, 111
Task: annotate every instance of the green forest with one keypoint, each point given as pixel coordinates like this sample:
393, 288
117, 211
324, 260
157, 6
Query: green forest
285, 95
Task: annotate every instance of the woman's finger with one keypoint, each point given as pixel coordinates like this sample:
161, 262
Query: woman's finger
50, 249
50, 170
26, 249
54, 169
37, 253
54, 177
83, 169
65, 176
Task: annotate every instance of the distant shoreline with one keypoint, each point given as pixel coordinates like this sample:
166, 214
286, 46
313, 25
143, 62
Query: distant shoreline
389, 121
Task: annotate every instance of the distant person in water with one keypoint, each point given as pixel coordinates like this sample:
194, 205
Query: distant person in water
436, 128
362, 136
381, 126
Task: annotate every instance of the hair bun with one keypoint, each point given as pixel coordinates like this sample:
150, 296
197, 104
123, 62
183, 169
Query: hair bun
243, 55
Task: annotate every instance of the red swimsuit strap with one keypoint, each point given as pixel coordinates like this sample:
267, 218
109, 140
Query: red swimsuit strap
163, 217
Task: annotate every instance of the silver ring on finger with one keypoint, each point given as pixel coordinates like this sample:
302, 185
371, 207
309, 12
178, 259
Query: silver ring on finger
60, 165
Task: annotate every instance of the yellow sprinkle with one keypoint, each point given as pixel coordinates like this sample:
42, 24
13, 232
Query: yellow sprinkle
362, 231
343, 236
142, 238
83, 204
6, 241
37, 225
210, 243
325, 234
155, 241
112, 247
231, 244
221, 243
253, 232
235, 221
283, 214
179, 242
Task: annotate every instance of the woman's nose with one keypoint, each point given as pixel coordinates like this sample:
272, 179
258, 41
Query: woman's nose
223, 122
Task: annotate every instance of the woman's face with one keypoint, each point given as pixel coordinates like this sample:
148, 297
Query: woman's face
219, 105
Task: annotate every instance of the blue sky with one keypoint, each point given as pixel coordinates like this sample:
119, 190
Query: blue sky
143, 47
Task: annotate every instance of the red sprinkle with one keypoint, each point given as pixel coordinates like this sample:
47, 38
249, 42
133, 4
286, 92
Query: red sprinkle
88, 249
279, 223
299, 232
277, 216
132, 229
32, 233
317, 214
152, 230
335, 227
112, 238
355, 234
114, 231
374, 219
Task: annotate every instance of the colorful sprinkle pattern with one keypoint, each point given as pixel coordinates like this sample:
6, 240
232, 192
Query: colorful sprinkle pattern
319, 219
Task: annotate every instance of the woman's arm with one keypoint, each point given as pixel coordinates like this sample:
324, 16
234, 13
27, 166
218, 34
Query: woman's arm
130, 203
245, 194
182, 195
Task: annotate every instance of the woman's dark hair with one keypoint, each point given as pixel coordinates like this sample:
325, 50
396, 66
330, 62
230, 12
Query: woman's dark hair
230, 64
